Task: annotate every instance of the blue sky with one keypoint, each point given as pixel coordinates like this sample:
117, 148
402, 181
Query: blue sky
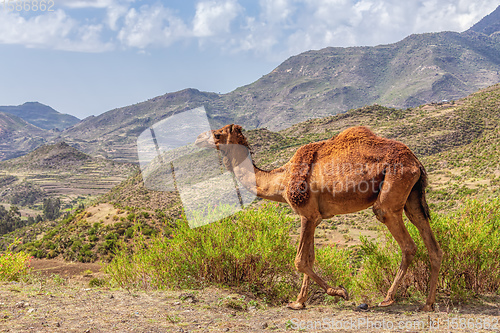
90, 56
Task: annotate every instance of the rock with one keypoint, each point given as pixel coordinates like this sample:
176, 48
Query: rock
58, 324
362, 307
111, 296
21, 305
264, 326
189, 298
31, 310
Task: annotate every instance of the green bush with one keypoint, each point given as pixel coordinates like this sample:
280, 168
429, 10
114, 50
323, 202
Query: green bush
470, 239
97, 282
335, 265
251, 250
14, 265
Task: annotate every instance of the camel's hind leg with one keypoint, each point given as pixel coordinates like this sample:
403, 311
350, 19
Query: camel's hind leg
389, 210
418, 215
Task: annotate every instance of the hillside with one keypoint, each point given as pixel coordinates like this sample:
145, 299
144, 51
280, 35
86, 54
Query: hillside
59, 170
458, 143
419, 69
41, 115
18, 137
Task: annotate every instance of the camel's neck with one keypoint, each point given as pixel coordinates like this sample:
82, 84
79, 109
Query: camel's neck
265, 184
270, 184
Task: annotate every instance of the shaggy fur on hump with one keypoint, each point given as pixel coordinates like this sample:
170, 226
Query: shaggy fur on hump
298, 192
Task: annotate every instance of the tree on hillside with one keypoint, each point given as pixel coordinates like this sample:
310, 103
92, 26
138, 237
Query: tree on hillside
10, 220
51, 208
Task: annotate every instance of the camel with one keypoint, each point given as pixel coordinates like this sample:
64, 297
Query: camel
350, 172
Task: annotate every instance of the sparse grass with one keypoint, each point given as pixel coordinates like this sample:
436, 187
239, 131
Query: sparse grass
97, 282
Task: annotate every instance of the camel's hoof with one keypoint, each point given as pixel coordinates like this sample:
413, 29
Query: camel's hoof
426, 308
296, 306
386, 303
339, 291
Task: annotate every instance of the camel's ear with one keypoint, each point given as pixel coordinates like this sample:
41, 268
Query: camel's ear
234, 128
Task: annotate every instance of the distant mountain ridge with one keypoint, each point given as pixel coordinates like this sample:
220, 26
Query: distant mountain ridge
419, 69
18, 137
489, 25
41, 115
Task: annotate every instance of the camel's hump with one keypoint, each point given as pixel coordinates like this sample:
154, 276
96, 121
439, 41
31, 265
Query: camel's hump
354, 133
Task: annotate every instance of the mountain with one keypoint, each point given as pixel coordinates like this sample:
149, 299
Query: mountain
113, 134
18, 137
41, 115
419, 69
489, 25
457, 141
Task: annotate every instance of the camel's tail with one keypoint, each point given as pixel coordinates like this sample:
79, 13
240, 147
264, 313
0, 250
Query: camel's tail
418, 193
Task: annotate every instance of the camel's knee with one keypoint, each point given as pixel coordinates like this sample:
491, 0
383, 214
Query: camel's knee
440, 255
301, 265
379, 213
409, 252
436, 258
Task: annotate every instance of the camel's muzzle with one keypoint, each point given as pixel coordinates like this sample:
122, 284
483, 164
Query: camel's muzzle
205, 140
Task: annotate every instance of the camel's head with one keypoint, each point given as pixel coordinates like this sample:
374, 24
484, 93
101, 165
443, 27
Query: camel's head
229, 134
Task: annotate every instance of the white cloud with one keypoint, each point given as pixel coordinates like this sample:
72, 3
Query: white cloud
114, 13
91, 3
214, 17
115, 9
151, 26
53, 30
277, 11
274, 29
287, 27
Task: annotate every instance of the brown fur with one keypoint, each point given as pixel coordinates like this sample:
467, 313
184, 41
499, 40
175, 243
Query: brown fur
298, 191
352, 171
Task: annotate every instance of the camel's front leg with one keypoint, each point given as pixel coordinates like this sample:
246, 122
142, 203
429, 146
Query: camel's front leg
299, 303
304, 262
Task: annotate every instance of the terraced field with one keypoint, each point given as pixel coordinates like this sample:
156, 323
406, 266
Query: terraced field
64, 172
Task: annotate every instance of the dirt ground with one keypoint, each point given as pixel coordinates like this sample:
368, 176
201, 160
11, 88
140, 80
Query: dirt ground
64, 302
